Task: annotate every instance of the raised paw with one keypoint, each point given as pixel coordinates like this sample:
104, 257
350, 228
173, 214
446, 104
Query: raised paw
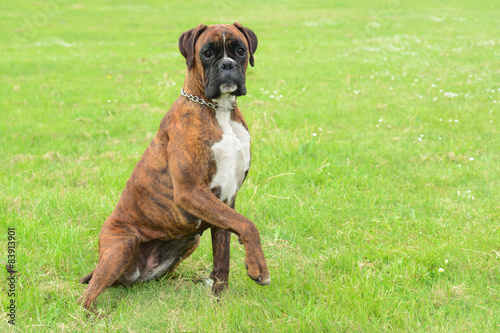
257, 271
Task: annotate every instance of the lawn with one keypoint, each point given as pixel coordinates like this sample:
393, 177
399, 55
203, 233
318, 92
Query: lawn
375, 178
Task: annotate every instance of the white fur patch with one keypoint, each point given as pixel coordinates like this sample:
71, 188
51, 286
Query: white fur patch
226, 100
225, 57
232, 155
135, 276
160, 269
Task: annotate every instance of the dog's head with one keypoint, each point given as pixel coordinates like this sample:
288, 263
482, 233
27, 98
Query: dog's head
219, 56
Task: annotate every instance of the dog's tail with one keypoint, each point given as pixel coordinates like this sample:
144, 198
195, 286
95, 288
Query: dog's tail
86, 279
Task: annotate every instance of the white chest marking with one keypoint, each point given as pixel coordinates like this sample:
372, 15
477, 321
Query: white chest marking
232, 156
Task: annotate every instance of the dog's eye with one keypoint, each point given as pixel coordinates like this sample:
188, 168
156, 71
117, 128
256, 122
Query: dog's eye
207, 54
241, 52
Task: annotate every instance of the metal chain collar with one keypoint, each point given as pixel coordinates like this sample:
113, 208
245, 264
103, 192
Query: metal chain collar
201, 101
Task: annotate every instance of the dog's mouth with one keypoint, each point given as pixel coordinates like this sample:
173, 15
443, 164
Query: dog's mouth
228, 88
224, 81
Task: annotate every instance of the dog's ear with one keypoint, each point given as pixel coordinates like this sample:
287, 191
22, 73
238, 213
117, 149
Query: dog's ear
251, 40
187, 42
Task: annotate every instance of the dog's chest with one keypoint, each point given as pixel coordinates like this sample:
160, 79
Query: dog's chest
232, 156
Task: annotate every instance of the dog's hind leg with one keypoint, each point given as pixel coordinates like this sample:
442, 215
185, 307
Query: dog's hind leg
117, 264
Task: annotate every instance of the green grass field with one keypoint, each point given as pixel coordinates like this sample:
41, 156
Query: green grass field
375, 179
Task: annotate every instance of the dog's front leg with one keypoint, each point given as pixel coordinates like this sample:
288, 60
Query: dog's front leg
203, 204
221, 241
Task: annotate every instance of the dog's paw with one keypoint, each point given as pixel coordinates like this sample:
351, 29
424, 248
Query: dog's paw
259, 274
262, 281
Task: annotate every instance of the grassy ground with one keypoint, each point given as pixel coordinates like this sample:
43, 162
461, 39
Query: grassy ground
375, 177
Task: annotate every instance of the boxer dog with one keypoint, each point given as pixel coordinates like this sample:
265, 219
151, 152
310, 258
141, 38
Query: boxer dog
189, 176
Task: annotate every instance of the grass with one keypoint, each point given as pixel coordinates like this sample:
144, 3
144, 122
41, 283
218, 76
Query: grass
375, 178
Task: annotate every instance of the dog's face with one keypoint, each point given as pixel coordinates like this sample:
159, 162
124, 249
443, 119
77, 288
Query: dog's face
219, 55
224, 60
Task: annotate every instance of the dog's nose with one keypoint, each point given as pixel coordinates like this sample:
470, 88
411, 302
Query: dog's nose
226, 65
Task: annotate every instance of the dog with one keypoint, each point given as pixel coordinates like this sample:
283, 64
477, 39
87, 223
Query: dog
188, 178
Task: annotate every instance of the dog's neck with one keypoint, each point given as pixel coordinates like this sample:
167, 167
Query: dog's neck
225, 102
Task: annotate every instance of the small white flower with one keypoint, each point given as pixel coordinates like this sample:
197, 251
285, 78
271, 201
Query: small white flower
456, 120
440, 138
390, 88
458, 192
471, 159
440, 119
419, 139
381, 120
356, 92
314, 134
434, 99
446, 261
450, 94
440, 270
